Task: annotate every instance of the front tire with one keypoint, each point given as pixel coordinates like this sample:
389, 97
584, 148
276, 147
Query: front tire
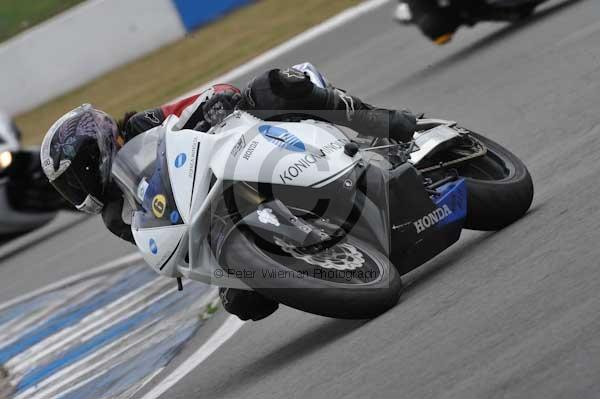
499, 186
330, 297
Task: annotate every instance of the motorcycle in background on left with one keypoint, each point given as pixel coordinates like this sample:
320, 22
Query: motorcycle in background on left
27, 200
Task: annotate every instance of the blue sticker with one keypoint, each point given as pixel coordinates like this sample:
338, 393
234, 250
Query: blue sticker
174, 217
153, 247
282, 138
180, 160
453, 201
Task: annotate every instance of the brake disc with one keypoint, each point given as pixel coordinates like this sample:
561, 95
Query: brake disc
339, 257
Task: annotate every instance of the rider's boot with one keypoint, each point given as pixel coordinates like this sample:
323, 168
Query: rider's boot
247, 305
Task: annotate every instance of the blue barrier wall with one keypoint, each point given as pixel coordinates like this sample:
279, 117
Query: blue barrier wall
195, 13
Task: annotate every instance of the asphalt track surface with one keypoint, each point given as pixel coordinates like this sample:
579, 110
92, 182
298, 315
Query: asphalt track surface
511, 314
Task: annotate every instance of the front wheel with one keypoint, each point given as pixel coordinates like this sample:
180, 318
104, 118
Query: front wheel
350, 280
499, 186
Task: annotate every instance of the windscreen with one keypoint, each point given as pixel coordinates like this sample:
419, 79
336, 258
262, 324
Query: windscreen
141, 172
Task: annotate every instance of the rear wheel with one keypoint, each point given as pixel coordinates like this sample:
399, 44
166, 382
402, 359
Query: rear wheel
439, 28
499, 186
350, 280
436, 23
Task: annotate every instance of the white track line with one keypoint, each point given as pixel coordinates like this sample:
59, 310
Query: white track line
65, 372
130, 351
53, 385
116, 264
98, 321
40, 317
25, 323
222, 335
80, 369
135, 389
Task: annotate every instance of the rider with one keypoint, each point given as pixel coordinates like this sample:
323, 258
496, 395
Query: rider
78, 150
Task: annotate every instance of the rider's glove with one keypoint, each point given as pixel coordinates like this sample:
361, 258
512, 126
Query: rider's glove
219, 106
403, 124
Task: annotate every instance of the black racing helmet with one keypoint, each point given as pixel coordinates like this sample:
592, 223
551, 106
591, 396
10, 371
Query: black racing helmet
77, 155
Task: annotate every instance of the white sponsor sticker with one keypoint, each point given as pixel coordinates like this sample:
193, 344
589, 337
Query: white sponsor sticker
266, 216
142, 187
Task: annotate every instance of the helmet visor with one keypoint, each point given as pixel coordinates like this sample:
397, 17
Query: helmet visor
72, 188
68, 186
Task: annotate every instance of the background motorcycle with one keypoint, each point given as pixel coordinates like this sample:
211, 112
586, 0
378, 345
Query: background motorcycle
27, 200
439, 19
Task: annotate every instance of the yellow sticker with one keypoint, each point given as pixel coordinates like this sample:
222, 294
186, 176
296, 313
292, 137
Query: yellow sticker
159, 205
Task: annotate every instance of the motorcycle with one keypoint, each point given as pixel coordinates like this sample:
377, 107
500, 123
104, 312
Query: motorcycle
310, 215
440, 19
27, 200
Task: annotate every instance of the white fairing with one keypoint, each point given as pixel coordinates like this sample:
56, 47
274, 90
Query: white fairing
182, 154
296, 154
157, 245
242, 148
429, 140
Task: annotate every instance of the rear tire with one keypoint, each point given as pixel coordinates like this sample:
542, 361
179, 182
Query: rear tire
323, 297
437, 26
433, 21
499, 186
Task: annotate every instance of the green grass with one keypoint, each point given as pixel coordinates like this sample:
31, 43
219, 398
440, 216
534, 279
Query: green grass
18, 15
187, 64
